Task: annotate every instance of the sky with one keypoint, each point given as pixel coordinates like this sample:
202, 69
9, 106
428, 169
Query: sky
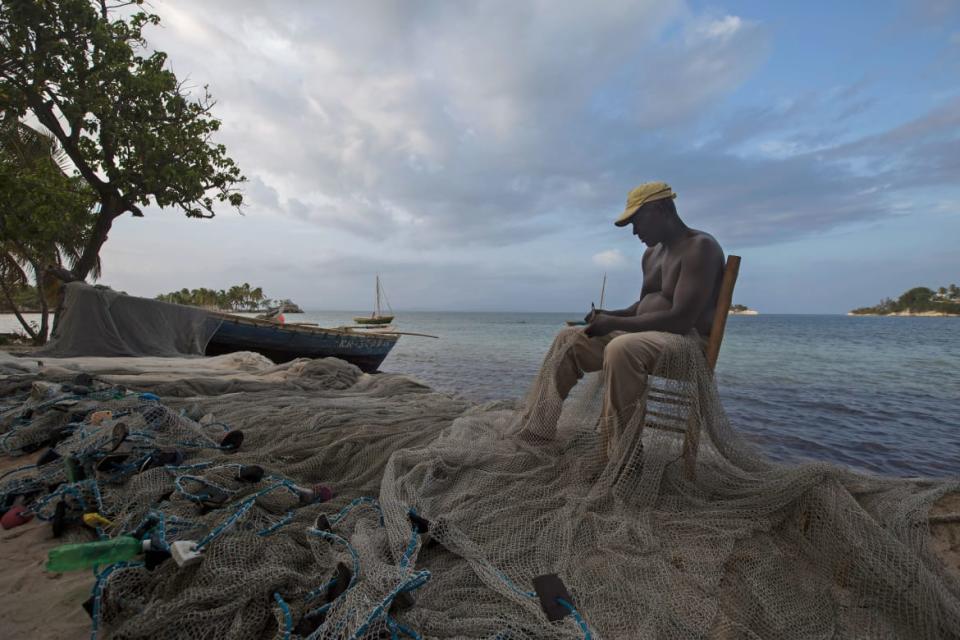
475, 154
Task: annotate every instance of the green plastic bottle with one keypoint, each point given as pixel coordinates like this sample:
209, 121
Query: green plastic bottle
70, 557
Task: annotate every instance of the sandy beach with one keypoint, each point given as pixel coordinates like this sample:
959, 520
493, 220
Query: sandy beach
33, 602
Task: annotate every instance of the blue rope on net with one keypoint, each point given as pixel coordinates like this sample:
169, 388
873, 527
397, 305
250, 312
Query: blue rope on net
98, 587
287, 616
396, 629
357, 502
319, 591
332, 537
245, 506
199, 445
188, 467
411, 582
321, 609
587, 635
415, 581
197, 497
282, 522
407, 557
18, 469
73, 489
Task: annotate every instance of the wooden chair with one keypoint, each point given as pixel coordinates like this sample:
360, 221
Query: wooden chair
679, 411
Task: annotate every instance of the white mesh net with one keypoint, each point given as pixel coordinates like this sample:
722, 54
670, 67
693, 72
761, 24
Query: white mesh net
445, 513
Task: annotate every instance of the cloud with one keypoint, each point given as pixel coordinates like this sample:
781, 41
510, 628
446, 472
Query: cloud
610, 259
462, 123
488, 139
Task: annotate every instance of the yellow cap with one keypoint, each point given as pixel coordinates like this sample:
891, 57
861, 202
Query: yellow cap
647, 192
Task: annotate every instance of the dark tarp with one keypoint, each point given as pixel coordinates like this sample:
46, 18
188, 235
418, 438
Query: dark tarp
97, 321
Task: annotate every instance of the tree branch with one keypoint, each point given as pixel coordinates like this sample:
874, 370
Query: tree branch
47, 118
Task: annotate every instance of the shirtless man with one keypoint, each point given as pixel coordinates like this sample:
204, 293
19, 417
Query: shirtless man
682, 271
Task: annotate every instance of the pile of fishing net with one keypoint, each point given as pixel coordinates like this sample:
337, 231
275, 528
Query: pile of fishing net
369, 506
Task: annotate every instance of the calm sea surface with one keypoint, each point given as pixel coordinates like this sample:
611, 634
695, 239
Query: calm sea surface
879, 394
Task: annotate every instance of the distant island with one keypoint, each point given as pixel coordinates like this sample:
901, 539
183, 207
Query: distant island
742, 310
241, 298
919, 301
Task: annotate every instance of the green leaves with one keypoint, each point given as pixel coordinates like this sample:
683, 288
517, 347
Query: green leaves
134, 133
45, 216
238, 298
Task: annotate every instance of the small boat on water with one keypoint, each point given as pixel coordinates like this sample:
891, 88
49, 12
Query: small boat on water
603, 290
284, 342
376, 318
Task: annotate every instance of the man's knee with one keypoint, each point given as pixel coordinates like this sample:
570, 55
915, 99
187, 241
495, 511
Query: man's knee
633, 351
617, 350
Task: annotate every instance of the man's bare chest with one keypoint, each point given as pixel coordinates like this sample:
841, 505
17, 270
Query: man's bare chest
663, 274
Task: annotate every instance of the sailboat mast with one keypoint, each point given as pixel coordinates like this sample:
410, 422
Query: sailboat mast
603, 289
377, 312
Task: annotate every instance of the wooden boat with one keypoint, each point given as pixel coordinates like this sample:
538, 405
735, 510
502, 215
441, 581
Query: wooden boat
284, 342
376, 318
603, 289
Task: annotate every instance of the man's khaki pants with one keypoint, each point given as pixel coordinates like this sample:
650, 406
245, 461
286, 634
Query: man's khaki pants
625, 359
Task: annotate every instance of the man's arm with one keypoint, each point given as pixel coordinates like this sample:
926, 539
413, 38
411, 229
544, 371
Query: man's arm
620, 313
698, 274
632, 309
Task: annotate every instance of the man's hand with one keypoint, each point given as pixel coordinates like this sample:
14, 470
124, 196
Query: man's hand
600, 326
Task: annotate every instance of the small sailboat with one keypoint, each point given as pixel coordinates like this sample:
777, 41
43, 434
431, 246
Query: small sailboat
603, 290
376, 318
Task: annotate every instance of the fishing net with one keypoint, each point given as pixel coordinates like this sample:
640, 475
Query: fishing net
452, 520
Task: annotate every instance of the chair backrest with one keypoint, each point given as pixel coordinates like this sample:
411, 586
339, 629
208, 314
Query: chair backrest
730, 273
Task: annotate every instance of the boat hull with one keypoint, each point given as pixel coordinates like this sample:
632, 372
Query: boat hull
283, 343
373, 320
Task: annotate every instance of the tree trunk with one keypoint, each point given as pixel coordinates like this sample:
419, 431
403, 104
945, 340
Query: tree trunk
41, 337
58, 312
111, 208
16, 312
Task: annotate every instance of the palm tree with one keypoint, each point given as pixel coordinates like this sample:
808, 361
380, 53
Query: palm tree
44, 216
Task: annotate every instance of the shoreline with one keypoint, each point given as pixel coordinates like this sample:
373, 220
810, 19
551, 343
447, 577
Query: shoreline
908, 314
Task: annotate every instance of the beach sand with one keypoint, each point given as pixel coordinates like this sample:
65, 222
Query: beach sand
33, 602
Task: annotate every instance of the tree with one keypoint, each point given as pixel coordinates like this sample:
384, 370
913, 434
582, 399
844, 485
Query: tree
954, 292
918, 298
44, 217
133, 132
237, 298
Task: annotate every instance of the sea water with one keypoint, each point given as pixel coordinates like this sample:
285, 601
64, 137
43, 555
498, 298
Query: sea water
877, 394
